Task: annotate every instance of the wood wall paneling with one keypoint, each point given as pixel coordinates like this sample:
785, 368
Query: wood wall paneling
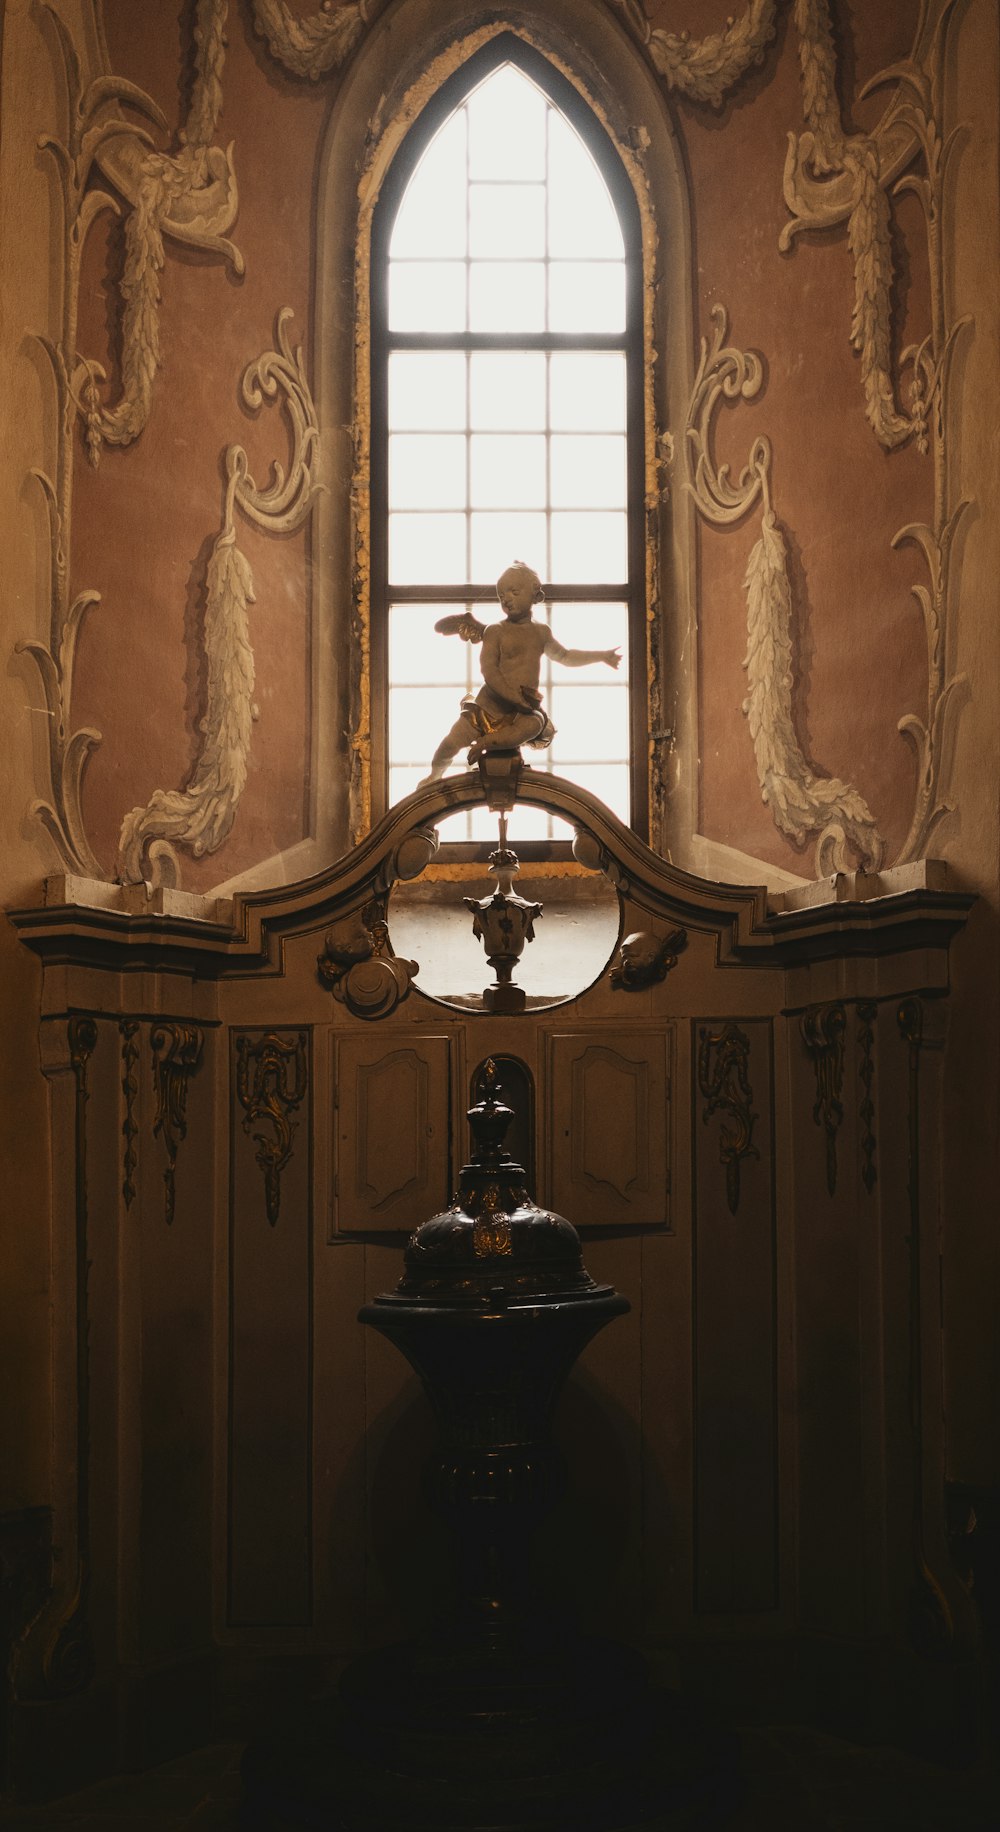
270, 1369
392, 1156
734, 1323
609, 1133
175, 1220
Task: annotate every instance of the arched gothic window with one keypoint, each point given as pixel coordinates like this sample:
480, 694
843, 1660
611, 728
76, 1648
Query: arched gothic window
507, 406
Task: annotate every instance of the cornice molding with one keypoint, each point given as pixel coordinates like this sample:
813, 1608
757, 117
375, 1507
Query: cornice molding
856, 916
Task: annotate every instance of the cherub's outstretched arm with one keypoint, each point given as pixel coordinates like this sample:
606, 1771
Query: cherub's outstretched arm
578, 658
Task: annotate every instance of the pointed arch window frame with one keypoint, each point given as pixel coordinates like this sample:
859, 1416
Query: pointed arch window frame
507, 48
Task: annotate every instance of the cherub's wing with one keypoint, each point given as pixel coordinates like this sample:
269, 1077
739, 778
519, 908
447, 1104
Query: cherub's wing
463, 624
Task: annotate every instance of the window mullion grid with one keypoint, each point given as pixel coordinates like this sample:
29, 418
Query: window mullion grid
548, 342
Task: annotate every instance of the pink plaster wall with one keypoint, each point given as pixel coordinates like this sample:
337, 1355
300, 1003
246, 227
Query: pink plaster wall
144, 520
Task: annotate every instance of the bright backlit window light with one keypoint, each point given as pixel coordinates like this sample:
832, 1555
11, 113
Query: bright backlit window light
505, 230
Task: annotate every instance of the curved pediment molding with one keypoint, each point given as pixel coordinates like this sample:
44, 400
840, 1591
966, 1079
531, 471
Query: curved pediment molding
135, 927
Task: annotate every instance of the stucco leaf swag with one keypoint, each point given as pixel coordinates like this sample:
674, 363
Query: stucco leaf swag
191, 194
831, 178
824, 150
312, 44
802, 802
201, 815
90, 128
705, 69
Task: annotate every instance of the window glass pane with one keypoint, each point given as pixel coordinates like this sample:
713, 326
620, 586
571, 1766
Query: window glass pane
402, 781
499, 539
524, 823
427, 471
582, 217
586, 296
591, 722
426, 296
508, 471
418, 720
507, 390
431, 218
544, 250
587, 393
426, 389
507, 127
592, 626
506, 296
427, 549
507, 219
589, 472
608, 781
588, 547
419, 653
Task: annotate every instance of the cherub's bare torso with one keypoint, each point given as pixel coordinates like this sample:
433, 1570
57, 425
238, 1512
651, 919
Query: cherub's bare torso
507, 711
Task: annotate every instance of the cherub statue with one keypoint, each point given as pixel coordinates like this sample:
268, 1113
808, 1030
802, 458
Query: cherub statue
507, 711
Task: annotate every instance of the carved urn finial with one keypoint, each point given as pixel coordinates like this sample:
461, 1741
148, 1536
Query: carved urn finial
503, 923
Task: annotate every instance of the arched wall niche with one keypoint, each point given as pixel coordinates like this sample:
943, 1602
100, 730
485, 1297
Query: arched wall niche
412, 49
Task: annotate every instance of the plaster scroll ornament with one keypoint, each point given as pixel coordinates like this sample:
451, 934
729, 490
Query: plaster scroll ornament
94, 119
312, 44
802, 803
198, 195
190, 195
507, 711
705, 69
831, 178
201, 815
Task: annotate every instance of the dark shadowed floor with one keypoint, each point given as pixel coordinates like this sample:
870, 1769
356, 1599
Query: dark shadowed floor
795, 1781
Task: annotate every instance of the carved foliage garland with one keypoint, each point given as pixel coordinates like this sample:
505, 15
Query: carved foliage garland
177, 1052
195, 202
831, 178
705, 69
89, 127
313, 43
723, 1057
823, 1028
201, 815
271, 1084
801, 802
130, 1089
190, 195
164, 187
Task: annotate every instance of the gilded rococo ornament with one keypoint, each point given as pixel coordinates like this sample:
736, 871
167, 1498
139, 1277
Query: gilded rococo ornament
645, 959
271, 1083
723, 1057
177, 1050
359, 967
823, 1030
